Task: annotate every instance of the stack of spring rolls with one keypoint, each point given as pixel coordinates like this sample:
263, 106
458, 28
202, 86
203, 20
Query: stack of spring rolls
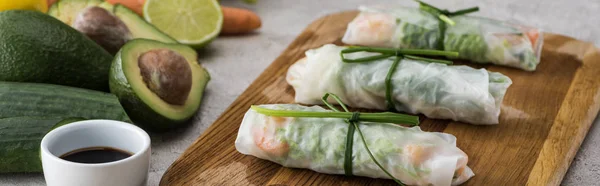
440, 91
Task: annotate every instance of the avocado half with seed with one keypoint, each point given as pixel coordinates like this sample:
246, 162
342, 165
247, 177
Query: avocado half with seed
160, 85
109, 26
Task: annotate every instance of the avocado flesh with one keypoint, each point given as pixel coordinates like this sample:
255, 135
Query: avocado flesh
68, 10
106, 5
138, 27
144, 106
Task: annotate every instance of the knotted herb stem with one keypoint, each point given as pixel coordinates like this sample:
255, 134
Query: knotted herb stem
444, 16
350, 140
349, 135
388, 84
385, 53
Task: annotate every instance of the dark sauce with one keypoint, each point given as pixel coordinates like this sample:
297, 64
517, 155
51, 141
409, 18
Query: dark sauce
96, 155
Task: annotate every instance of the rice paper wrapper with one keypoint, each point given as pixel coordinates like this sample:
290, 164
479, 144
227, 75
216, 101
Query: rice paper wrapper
476, 39
460, 93
411, 155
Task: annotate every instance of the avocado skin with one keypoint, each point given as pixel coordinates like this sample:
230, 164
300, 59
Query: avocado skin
35, 47
138, 111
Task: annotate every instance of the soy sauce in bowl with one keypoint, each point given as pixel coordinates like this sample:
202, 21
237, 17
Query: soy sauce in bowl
96, 155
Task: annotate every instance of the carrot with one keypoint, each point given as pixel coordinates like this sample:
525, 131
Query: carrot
136, 5
533, 36
239, 21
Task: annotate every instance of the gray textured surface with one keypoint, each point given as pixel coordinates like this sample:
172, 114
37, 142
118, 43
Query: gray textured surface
234, 62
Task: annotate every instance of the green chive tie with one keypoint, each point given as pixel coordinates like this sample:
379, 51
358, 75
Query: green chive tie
355, 116
444, 18
352, 126
385, 53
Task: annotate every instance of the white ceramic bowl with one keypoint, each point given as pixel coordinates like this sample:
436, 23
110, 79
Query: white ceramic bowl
131, 171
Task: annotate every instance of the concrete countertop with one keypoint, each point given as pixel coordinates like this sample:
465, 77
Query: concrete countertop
234, 62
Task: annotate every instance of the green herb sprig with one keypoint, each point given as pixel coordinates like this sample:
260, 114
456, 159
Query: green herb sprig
385, 53
443, 16
382, 117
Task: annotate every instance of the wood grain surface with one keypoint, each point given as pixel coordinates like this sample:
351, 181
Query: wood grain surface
545, 117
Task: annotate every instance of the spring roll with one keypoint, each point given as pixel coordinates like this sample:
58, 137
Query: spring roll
477, 39
460, 93
411, 155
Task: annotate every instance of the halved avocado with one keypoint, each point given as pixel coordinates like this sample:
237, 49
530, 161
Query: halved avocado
160, 85
67, 10
109, 26
138, 27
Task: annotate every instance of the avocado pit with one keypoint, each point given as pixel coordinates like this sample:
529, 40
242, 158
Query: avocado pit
167, 74
106, 29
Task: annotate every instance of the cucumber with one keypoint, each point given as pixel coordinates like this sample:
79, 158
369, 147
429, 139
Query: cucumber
33, 99
20, 139
30, 110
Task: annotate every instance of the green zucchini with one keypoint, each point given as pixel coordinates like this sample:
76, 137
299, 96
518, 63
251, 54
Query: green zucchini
20, 139
32, 99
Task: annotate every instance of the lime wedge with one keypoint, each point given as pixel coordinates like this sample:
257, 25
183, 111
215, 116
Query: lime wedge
191, 22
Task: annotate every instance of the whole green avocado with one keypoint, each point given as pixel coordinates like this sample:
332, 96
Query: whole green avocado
35, 47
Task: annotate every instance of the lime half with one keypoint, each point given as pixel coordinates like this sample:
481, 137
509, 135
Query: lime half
191, 22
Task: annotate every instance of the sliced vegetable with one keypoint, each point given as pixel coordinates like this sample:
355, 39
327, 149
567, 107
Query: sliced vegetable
160, 85
136, 5
68, 10
139, 28
191, 22
103, 27
109, 26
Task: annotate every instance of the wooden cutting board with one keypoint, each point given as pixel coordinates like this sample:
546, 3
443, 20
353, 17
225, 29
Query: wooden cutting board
545, 116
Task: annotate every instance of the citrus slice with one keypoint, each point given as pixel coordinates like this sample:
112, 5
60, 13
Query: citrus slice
191, 22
